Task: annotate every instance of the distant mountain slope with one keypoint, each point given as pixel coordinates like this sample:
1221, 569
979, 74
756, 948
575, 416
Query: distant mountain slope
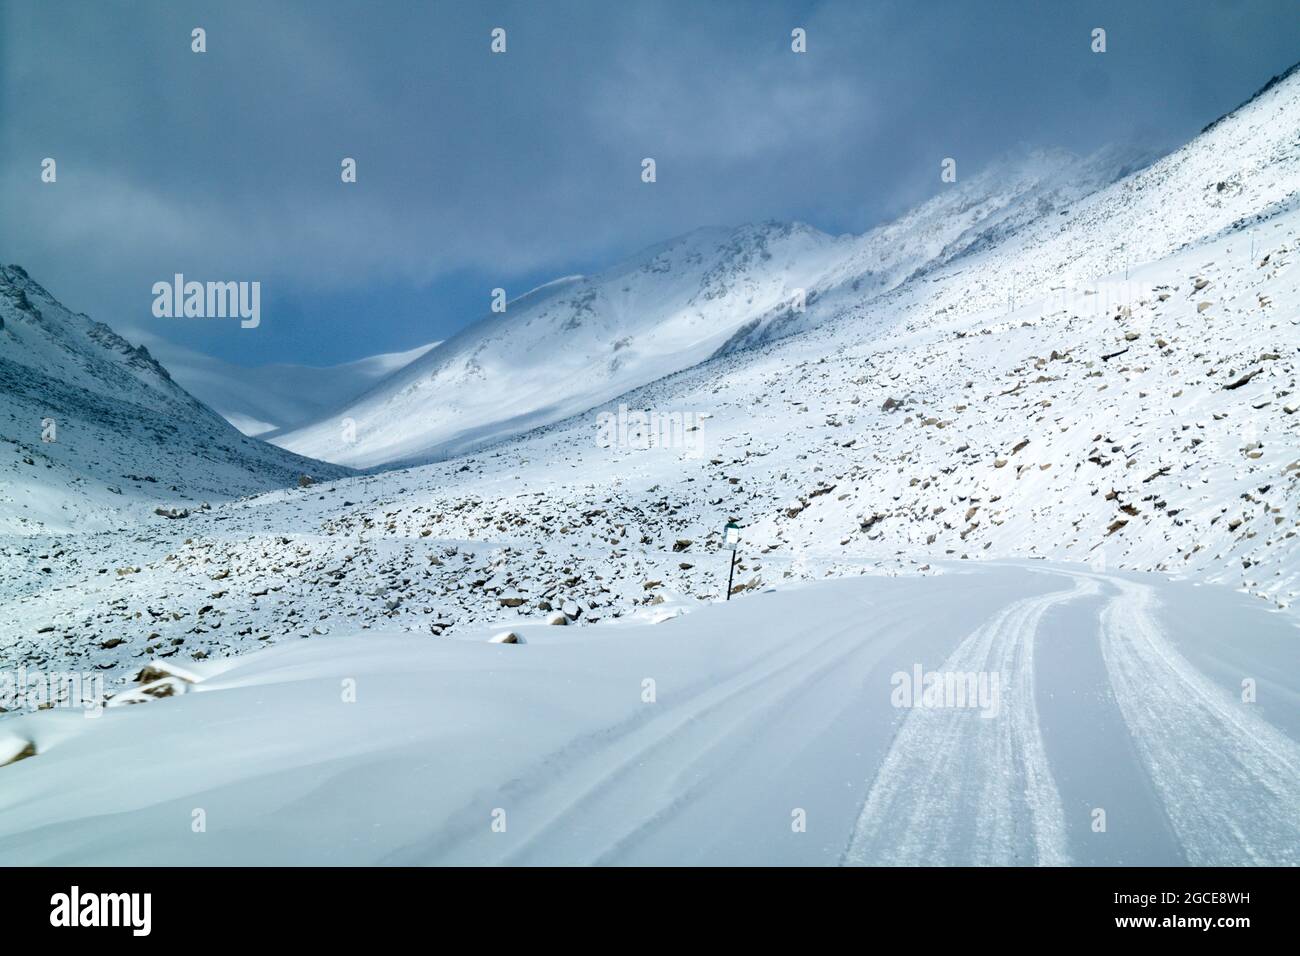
574, 343
125, 434
581, 341
269, 398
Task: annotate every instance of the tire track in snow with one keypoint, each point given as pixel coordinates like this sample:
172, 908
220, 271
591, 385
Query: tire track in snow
1229, 780
958, 788
695, 764
655, 764
588, 766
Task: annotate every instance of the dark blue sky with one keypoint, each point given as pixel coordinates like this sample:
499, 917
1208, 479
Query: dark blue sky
479, 170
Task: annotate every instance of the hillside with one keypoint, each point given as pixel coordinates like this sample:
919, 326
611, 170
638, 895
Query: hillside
126, 437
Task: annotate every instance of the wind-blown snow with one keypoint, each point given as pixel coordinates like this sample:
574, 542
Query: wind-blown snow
573, 344
264, 399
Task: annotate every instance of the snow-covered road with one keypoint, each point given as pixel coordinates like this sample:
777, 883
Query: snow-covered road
1110, 728
1204, 750
976, 790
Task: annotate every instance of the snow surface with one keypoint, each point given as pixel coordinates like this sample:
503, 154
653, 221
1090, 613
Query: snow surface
761, 708
1063, 451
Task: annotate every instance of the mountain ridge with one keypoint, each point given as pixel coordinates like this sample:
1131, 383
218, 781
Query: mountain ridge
722, 289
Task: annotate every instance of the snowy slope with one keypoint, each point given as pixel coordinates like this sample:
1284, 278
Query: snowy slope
265, 399
963, 218
574, 343
125, 434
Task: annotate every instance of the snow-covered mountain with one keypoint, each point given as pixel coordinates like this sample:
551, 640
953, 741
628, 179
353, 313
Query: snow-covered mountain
1063, 453
1147, 426
580, 341
265, 399
94, 425
573, 343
